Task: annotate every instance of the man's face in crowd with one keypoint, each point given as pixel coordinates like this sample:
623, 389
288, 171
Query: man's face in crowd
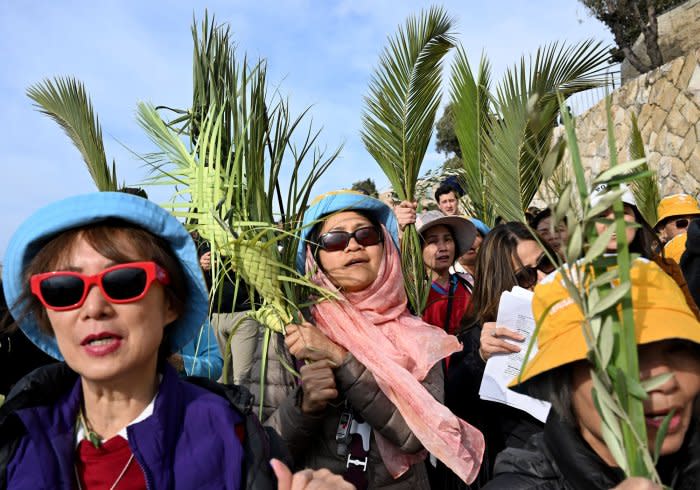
449, 204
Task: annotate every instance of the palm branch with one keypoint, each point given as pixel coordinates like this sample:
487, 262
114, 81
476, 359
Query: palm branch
526, 110
65, 100
645, 189
472, 104
398, 118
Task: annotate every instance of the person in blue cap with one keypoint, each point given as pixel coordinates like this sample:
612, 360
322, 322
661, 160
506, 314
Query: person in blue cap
110, 284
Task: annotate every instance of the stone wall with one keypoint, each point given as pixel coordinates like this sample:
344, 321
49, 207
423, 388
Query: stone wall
667, 104
679, 34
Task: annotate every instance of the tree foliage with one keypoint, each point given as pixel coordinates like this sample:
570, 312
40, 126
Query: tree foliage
627, 19
366, 186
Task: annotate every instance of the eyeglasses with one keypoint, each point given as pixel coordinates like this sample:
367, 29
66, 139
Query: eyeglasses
333, 241
123, 283
527, 275
682, 223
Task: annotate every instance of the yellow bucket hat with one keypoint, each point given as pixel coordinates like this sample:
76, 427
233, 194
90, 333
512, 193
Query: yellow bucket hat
660, 313
676, 205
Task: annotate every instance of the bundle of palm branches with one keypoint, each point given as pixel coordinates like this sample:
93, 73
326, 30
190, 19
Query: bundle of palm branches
398, 120
242, 146
505, 135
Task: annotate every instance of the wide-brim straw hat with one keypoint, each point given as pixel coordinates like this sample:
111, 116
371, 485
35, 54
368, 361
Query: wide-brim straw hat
676, 205
339, 201
88, 209
463, 230
660, 313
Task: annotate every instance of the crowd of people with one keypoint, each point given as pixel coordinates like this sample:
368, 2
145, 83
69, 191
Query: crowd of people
156, 388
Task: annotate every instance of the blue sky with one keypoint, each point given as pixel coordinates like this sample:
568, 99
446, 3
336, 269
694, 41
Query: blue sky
320, 54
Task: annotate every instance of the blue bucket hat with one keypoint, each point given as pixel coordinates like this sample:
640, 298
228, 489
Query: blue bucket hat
480, 225
88, 209
333, 202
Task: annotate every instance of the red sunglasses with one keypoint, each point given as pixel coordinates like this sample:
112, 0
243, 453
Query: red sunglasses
123, 283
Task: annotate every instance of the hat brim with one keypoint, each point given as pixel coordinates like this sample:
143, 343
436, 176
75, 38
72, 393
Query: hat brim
335, 202
657, 324
78, 211
463, 229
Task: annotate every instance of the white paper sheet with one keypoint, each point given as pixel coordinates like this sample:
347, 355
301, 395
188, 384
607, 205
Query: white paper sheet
514, 312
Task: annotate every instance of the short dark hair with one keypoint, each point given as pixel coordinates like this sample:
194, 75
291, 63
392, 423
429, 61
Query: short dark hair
542, 215
445, 189
555, 386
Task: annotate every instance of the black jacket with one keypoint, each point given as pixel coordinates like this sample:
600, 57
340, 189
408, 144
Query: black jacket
690, 261
559, 459
502, 426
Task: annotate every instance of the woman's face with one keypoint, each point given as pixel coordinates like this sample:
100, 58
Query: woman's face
438, 249
356, 267
105, 342
555, 238
469, 258
629, 232
678, 394
529, 254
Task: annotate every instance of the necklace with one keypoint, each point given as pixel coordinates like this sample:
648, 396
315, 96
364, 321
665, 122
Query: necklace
114, 485
92, 436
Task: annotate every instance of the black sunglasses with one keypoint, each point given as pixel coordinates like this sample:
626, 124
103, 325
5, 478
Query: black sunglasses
682, 223
334, 241
527, 275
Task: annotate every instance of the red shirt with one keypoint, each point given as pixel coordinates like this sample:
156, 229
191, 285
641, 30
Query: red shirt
435, 311
99, 468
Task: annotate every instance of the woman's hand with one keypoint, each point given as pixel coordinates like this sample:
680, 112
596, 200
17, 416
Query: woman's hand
637, 483
307, 479
308, 343
318, 385
405, 213
492, 340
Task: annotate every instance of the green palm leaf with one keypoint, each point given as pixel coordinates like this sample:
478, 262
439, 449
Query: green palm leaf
65, 101
398, 118
527, 107
471, 100
644, 189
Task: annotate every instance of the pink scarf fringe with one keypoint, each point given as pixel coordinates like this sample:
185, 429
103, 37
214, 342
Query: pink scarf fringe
399, 349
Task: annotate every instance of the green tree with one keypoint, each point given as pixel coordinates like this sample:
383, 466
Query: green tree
627, 19
366, 186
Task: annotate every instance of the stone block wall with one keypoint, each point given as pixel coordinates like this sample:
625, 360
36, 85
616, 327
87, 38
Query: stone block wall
679, 34
667, 104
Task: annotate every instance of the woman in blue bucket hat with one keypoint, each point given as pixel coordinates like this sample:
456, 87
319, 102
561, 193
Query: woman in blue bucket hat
110, 284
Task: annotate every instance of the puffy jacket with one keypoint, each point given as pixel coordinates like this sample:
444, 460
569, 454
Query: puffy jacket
279, 382
190, 440
311, 437
559, 459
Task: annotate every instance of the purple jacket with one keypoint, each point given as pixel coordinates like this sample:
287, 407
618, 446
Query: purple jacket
188, 442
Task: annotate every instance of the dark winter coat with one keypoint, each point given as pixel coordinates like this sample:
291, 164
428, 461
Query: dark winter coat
192, 428
559, 459
502, 426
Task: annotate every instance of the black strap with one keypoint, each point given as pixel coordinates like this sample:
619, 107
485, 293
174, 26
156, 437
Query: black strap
355, 472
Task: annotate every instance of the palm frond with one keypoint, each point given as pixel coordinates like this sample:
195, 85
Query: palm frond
65, 100
645, 189
471, 99
398, 119
404, 97
526, 102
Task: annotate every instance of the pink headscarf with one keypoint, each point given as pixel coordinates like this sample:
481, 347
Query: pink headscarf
399, 349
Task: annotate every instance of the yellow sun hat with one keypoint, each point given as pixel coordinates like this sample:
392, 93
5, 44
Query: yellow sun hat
675, 247
660, 313
676, 205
